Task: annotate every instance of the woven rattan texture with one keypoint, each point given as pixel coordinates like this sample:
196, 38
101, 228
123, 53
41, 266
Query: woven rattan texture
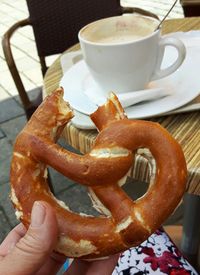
56, 22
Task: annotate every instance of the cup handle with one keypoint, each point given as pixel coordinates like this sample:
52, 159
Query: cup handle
174, 42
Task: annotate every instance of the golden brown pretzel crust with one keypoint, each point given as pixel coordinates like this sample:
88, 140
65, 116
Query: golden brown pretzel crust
130, 222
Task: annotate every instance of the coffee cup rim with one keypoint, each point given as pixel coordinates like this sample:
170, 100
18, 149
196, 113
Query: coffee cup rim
117, 43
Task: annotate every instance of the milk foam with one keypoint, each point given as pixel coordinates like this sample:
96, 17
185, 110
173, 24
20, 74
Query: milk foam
118, 38
119, 29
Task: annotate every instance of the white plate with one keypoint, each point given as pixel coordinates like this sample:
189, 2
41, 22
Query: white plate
184, 85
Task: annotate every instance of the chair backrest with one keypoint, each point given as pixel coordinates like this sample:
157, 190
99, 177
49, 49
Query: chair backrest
190, 7
56, 22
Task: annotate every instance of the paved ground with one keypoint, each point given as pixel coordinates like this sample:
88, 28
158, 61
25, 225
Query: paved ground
12, 117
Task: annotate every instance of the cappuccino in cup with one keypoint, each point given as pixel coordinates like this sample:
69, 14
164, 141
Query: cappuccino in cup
119, 31
125, 53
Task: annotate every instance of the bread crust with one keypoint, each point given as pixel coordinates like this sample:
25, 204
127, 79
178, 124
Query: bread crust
131, 222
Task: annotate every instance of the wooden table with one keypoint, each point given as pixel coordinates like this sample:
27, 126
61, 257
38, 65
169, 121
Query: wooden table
185, 128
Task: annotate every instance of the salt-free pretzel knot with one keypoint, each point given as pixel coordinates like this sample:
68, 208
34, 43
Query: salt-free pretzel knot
128, 222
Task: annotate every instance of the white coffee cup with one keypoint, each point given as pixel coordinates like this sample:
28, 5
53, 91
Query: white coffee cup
125, 53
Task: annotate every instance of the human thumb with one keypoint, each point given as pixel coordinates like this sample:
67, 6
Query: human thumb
31, 252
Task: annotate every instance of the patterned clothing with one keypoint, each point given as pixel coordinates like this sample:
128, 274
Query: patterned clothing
158, 255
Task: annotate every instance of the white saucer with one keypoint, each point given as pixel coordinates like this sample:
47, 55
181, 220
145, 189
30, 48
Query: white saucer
184, 86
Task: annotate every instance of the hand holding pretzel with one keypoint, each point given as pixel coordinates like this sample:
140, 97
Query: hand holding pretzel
128, 222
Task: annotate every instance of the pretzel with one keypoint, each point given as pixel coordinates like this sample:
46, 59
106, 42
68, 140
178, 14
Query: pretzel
127, 223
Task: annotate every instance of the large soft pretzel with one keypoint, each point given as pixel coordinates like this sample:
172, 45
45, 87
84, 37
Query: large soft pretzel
129, 222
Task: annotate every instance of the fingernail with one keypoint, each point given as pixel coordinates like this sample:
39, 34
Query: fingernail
38, 214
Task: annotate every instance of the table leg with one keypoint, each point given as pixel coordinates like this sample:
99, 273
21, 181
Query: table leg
191, 228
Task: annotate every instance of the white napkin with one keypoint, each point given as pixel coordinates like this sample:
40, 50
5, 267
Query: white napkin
130, 98
70, 58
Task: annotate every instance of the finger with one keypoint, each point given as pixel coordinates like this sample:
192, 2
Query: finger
100, 267
13, 237
36, 246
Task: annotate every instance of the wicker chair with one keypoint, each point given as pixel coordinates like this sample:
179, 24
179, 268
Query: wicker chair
55, 25
191, 7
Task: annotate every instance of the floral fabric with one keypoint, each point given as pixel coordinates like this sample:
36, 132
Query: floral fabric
157, 255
